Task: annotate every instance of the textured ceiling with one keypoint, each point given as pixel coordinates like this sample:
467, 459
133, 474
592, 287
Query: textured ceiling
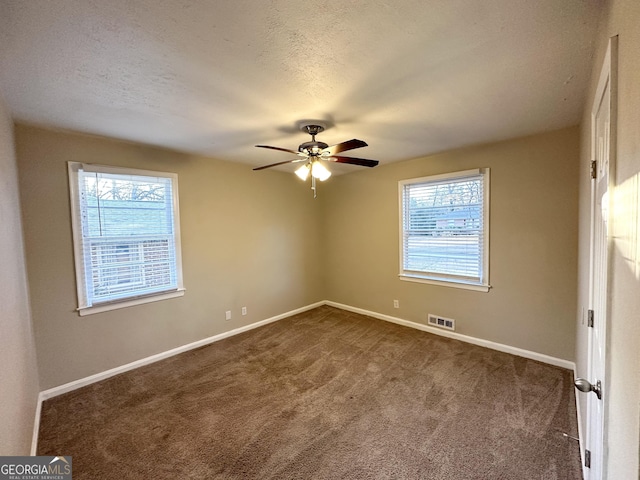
410, 77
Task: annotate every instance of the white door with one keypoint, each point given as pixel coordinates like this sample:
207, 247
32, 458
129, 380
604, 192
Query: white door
601, 150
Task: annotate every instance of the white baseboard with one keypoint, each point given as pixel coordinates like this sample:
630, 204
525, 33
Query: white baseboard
82, 382
36, 426
558, 362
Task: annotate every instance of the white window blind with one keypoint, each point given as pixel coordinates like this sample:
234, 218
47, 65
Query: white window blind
126, 234
444, 227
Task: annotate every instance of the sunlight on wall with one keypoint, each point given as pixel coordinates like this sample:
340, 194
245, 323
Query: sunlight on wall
626, 206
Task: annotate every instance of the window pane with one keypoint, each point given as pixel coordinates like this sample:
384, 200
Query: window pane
443, 228
128, 235
121, 268
126, 206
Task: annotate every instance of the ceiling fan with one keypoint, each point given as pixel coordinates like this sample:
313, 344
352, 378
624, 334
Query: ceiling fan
313, 152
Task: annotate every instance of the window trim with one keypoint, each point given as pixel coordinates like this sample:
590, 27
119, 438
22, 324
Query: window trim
78, 254
413, 276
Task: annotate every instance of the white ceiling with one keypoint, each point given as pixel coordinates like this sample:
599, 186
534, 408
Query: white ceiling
410, 77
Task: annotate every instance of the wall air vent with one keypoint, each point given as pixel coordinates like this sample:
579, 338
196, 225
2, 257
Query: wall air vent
442, 322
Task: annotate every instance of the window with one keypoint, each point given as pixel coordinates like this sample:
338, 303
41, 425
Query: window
444, 229
126, 235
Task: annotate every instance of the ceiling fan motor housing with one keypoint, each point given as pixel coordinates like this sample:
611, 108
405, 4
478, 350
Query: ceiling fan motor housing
312, 148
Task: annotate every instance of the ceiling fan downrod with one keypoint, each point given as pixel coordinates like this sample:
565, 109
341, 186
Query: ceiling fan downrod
312, 148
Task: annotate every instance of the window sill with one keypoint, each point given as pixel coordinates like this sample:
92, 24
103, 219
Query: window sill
129, 303
445, 283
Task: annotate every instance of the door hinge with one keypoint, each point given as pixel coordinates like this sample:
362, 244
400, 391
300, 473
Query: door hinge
590, 318
587, 458
594, 170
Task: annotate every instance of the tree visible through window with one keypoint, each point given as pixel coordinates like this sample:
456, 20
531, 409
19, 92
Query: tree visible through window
444, 228
126, 234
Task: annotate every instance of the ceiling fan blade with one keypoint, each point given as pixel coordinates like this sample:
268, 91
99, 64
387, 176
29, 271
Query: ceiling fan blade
278, 148
344, 146
363, 162
281, 163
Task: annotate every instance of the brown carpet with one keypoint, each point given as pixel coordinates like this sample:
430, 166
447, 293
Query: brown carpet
326, 394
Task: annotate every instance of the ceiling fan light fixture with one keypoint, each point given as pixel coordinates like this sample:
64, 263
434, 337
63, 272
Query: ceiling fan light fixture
303, 172
314, 151
319, 171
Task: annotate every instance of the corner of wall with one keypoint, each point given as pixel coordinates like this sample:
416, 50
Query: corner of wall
18, 365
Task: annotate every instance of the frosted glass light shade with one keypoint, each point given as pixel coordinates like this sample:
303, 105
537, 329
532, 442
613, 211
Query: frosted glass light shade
320, 171
303, 172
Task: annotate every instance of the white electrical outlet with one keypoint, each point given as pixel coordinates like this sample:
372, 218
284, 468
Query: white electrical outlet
227, 315
396, 304
244, 310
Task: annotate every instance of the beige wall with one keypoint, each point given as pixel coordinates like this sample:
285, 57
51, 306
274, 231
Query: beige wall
246, 238
533, 231
18, 374
260, 240
622, 394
